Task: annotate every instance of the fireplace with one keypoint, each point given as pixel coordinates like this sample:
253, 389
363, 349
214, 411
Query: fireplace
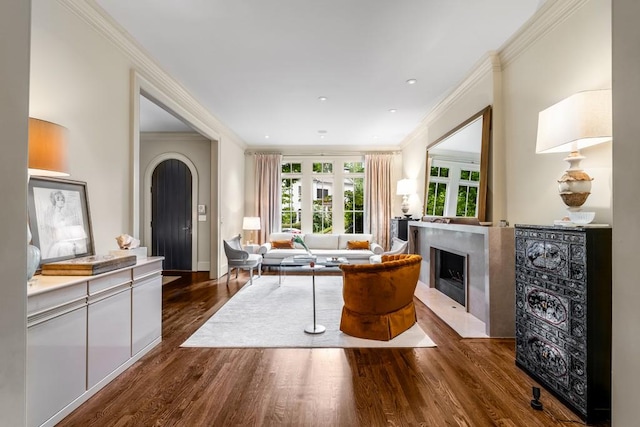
450, 275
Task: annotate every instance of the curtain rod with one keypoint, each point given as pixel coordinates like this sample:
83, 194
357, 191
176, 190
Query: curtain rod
325, 154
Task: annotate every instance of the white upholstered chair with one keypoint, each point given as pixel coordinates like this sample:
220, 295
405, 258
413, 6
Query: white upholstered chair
238, 258
398, 246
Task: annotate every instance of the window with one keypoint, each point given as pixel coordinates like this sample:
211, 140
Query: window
354, 197
319, 196
453, 189
467, 193
436, 197
323, 201
291, 198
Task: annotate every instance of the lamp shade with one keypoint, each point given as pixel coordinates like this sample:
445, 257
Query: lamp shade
405, 187
251, 223
47, 148
579, 121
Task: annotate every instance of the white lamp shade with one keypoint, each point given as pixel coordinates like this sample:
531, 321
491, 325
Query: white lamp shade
251, 223
405, 187
579, 121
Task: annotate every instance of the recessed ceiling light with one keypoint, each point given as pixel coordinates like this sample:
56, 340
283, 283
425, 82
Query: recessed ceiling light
393, 110
412, 81
266, 137
322, 98
375, 136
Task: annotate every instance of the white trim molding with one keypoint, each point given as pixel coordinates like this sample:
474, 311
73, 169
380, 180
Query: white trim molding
548, 17
185, 104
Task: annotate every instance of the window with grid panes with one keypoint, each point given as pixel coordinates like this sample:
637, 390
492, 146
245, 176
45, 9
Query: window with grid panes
291, 196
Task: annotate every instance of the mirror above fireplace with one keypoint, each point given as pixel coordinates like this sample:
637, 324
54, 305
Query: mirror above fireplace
457, 162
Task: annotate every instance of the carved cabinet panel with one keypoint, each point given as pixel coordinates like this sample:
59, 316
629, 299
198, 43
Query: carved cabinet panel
563, 314
399, 228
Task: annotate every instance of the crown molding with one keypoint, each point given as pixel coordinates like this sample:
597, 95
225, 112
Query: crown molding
548, 17
172, 136
91, 13
487, 65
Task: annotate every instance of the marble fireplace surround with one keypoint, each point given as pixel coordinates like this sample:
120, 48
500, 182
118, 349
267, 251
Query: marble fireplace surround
490, 268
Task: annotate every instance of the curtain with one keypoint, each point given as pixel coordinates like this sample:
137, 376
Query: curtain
378, 196
267, 190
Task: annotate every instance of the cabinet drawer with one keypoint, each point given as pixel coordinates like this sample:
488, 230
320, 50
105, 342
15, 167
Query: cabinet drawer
146, 269
50, 300
109, 281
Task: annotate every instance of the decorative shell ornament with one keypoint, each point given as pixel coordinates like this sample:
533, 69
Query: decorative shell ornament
127, 242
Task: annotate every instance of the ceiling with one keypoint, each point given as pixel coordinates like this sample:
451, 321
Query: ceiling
261, 67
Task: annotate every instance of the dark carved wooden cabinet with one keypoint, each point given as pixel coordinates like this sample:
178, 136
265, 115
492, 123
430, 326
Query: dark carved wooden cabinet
563, 314
400, 228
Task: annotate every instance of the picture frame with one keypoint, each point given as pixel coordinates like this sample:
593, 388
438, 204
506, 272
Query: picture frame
59, 218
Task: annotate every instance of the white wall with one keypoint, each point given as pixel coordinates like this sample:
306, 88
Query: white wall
574, 56
459, 106
231, 194
81, 81
87, 76
14, 86
626, 205
198, 150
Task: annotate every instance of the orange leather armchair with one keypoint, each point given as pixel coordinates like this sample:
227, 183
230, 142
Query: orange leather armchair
378, 298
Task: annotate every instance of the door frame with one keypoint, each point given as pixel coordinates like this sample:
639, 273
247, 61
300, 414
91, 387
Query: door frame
171, 96
148, 178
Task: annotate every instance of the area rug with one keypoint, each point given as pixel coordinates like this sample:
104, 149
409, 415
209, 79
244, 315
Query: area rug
271, 315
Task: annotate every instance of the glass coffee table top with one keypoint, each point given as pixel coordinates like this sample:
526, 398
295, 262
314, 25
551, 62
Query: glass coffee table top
301, 261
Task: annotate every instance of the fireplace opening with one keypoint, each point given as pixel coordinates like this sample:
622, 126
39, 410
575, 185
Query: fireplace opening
450, 275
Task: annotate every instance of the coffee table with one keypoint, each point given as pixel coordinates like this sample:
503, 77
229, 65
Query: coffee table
305, 264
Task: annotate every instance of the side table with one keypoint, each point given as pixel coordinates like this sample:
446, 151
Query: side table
314, 328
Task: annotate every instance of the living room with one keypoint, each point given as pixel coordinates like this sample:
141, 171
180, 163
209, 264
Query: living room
80, 77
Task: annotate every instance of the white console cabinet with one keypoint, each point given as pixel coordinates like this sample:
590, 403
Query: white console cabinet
83, 331
146, 308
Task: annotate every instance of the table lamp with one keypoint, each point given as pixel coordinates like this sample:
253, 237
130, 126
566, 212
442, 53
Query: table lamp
579, 121
47, 157
404, 188
251, 223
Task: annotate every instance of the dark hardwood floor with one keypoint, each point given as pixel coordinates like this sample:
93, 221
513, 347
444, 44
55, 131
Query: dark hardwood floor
462, 382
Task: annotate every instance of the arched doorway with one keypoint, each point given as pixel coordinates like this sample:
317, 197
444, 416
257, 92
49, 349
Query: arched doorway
171, 218
169, 190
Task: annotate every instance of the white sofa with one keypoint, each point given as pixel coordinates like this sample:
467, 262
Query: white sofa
321, 245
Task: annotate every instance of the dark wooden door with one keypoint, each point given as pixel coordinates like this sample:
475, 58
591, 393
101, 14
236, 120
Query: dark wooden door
171, 214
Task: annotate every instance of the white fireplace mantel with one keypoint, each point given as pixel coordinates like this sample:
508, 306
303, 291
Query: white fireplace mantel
490, 271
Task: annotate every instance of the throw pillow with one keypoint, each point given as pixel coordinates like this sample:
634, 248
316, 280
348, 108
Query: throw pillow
282, 244
358, 244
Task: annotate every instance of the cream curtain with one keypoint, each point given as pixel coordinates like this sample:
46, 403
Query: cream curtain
378, 196
267, 201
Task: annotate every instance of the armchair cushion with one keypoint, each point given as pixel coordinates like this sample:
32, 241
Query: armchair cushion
378, 298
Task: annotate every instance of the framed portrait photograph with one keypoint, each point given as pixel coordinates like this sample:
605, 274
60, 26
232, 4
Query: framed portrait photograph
59, 218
